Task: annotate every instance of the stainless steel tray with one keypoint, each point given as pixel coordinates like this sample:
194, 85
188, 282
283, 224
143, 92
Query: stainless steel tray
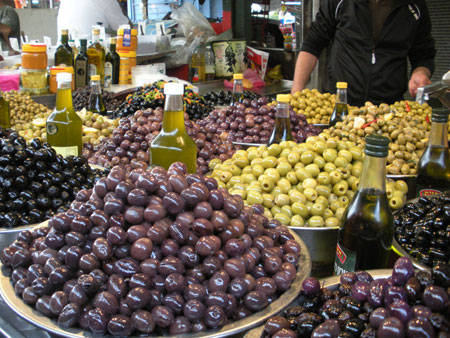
8, 235
34, 317
248, 145
329, 283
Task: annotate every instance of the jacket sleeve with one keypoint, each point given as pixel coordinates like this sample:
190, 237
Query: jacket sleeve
323, 28
423, 50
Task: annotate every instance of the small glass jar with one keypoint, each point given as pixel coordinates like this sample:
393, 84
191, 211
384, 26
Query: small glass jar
34, 56
34, 81
127, 39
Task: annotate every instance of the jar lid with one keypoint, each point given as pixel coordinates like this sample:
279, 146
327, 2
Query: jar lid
439, 115
95, 77
113, 40
173, 88
285, 98
96, 31
63, 77
126, 53
376, 145
64, 31
341, 85
120, 31
34, 48
238, 76
56, 70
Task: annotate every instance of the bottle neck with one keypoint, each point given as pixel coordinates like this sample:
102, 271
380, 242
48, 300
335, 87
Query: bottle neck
238, 87
95, 38
373, 174
64, 39
64, 97
95, 87
341, 96
173, 118
438, 134
282, 110
83, 48
112, 48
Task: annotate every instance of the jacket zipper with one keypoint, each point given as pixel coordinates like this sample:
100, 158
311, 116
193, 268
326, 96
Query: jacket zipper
374, 59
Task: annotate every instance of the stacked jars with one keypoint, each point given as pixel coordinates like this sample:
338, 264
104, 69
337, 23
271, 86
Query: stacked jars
126, 48
33, 71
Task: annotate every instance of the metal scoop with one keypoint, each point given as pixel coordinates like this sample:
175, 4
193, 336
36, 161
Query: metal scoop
439, 90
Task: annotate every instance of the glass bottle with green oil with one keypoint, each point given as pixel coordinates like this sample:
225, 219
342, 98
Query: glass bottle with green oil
64, 125
173, 144
5, 116
238, 88
434, 164
81, 66
96, 56
367, 228
112, 65
341, 107
96, 104
64, 53
282, 129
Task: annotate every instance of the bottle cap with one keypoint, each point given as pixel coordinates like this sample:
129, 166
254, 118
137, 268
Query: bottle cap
63, 77
64, 31
95, 77
96, 31
286, 98
376, 145
341, 85
173, 88
83, 42
439, 115
113, 40
238, 76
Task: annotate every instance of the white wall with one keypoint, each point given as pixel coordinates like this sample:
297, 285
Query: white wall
37, 22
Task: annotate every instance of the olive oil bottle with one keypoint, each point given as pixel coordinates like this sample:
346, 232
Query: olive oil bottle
341, 106
238, 88
434, 164
5, 116
96, 56
282, 128
64, 53
112, 65
96, 104
367, 229
81, 66
63, 124
173, 144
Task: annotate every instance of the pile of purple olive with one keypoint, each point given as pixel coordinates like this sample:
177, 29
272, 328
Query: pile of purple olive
406, 304
423, 229
131, 140
157, 252
35, 182
252, 121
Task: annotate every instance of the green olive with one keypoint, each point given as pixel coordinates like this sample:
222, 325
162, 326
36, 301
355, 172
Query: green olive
293, 157
272, 174
402, 186
339, 213
284, 185
329, 167
239, 192
323, 190
297, 221
307, 157
310, 194
332, 222
317, 209
316, 221
329, 154
282, 218
256, 161
323, 200
286, 209
248, 178
292, 177
269, 162
282, 199
328, 213
254, 197
313, 169
340, 188
344, 200
284, 168
274, 149
336, 177
341, 162
319, 161
266, 184
300, 209
324, 178
302, 174
396, 202
296, 196
257, 170
275, 210
268, 201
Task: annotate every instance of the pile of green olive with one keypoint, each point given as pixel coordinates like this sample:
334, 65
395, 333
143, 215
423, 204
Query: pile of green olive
317, 107
307, 184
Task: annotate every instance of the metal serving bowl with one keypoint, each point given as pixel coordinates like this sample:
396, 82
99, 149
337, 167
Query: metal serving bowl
36, 318
331, 283
8, 235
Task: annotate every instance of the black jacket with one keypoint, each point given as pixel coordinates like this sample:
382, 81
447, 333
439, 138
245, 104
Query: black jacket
375, 71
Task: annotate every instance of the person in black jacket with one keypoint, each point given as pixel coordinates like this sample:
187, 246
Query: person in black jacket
371, 41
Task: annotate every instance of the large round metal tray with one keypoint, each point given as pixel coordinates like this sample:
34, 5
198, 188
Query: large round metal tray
329, 283
34, 317
8, 235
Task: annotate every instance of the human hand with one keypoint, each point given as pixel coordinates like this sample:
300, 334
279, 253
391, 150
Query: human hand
419, 78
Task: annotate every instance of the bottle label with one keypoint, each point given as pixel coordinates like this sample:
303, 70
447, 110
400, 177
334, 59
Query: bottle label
345, 260
424, 191
92, 69
80, 73
126, 38
108, 74
66, 151
52, 128
209, 69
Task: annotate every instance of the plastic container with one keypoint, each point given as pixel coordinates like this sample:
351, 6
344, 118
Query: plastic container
127, 39
9, 80
132, 60
34, 81
34, 56
53, 85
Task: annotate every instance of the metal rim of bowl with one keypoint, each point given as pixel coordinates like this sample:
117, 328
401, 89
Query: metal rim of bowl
31, 315
329, 282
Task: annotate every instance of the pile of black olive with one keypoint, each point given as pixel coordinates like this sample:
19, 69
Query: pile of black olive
152, 96
131, 140
153, 252
423, 229
223, 98
35, 183
80, 98
405, 304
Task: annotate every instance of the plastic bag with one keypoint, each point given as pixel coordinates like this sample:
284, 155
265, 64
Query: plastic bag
193, 22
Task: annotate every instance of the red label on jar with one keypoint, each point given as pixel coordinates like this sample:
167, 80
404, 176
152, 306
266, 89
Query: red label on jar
429, 192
